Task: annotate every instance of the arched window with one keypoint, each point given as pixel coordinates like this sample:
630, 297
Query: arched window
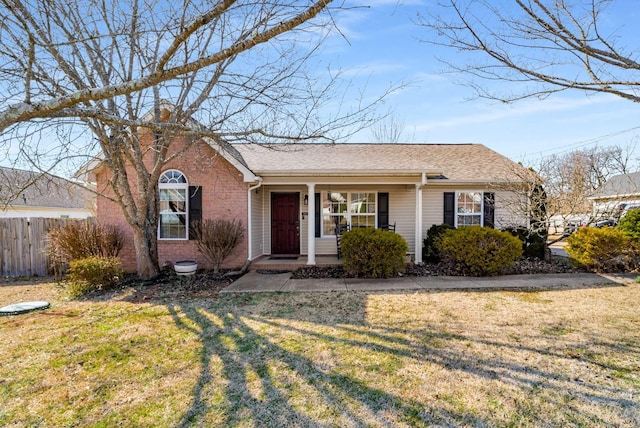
174, 219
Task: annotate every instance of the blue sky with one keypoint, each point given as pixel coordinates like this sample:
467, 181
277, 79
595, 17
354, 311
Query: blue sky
383, 47
380, 46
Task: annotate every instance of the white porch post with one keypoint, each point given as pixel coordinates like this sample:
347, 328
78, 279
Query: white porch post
418, 244
311, 224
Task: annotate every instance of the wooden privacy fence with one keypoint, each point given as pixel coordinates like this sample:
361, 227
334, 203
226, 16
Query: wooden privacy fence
23, 245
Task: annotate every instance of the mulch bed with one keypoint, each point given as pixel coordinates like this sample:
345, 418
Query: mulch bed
525, 266
205, 284
168, 286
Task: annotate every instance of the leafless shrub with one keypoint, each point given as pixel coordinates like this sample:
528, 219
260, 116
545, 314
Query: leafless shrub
81, 240
216, 239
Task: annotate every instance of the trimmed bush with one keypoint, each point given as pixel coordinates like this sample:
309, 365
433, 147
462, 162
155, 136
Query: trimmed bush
479, 251
430, 252
373, 253
533, 245
92, 273
604, 249
216, 239
630, 224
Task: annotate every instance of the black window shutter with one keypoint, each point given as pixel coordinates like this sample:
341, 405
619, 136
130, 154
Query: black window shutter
195, 207
383, 210
317, 216
449, 208
489, 209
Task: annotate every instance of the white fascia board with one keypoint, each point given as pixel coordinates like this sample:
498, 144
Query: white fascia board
627, 195
247, 174
347, 173
449, 182
86, 171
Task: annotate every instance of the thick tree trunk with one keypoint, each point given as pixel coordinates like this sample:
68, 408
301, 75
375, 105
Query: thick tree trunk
146, 244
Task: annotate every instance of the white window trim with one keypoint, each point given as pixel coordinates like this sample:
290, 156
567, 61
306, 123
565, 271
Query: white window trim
455, 207
348, 213
170, 186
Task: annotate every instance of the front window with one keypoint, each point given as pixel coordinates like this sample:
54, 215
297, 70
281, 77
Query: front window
173, 206
469, 209
334, 211
363, 210
355, 208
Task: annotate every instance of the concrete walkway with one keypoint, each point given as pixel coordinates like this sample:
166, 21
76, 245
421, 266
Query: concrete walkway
254, 282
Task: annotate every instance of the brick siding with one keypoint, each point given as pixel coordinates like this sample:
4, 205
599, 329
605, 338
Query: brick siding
224, 196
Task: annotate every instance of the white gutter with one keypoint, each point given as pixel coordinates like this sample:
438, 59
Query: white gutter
249, 219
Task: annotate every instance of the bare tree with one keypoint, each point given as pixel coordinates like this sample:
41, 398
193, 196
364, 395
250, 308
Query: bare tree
388, 130
542, 47
241, 68
557, 188
572, 177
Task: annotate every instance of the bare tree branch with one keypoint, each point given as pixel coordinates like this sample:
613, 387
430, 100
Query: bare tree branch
550, 46
96, 77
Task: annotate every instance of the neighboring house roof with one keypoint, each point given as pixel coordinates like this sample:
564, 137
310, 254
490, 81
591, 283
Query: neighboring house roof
20, 188
465, 162
619, 185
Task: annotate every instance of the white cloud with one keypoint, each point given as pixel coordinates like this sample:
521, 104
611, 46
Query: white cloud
502, 112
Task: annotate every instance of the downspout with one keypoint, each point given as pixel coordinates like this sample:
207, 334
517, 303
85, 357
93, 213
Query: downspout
249, 219
418, 237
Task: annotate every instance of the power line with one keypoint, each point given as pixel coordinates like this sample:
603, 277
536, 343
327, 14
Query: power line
582, 143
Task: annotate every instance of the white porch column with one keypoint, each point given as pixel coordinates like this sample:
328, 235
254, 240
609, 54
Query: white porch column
311, 224
418, 244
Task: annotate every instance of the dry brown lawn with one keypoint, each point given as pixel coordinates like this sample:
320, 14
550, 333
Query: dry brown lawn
565, 357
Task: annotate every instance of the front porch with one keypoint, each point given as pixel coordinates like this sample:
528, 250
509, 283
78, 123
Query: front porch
293, 262
293, 216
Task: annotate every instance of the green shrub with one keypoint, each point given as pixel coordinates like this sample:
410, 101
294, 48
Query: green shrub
373, 253
479, 251
216, 239
630, 224
92, 273
533, 244
604, 249
430, 252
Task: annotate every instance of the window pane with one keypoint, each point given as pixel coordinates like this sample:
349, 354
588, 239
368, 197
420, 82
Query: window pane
477, 202
172, 177
469, 220
469, 203
335, 202
173, 226
173, 200
329, 223
334, 208
363, 221
363, 203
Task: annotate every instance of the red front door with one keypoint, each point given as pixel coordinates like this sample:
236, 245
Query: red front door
285, 223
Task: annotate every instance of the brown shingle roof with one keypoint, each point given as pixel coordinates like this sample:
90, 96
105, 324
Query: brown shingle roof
454, 161
28, 188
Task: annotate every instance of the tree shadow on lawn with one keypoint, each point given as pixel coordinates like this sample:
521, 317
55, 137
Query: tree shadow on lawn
256, 368
294, 389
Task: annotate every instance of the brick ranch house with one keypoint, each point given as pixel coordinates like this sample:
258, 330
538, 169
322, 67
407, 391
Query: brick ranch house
290, 198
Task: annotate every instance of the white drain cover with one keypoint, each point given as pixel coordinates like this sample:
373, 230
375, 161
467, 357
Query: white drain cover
21, 308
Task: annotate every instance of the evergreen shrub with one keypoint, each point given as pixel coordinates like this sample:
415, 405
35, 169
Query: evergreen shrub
373, 253
605, 249
479, 251
92, 273
430, 252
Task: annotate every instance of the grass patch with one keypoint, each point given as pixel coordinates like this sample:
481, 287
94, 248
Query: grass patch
555, 358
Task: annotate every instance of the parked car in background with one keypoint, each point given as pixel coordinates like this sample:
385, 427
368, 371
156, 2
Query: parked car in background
572, 226
606, 223
623, 209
